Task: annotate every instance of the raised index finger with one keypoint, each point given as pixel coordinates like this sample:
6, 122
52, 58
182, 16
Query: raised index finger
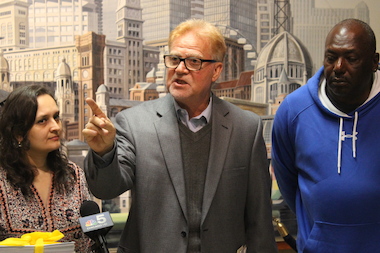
95, 108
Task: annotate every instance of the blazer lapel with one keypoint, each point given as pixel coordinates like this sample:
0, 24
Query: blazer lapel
220, 136
168, 135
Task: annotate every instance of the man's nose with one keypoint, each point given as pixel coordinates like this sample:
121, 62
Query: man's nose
181, 67
339, 65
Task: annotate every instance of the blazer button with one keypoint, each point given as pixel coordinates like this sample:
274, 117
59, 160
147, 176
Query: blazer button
183, 234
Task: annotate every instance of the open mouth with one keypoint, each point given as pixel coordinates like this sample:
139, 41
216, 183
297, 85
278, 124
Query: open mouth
178, 81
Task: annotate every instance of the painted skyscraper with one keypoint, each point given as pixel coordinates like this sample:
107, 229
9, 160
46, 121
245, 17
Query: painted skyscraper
54, 23
13, 24
311, 24
129, 31
109, 19
240, 15
265, 21
197, 9
161, 16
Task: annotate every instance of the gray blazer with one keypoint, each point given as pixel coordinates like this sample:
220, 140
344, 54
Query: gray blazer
236, 204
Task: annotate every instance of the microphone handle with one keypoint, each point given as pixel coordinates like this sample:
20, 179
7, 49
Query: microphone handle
100, 245
291, 242
103, 245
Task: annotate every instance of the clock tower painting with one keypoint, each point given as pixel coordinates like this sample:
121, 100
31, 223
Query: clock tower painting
90, 48
64, 93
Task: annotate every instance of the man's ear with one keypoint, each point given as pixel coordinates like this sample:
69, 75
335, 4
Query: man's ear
217, 71
376, 62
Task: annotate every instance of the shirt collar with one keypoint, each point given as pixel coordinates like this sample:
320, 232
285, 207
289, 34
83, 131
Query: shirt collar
197, 122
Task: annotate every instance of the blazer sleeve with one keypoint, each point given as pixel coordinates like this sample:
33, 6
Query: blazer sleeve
260, 231
109, 179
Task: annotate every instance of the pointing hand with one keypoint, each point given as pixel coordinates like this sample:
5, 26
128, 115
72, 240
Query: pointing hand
99, 132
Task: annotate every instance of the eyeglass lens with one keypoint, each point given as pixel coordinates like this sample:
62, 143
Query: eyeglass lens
190, 63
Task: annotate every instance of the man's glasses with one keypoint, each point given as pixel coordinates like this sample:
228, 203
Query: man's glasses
191, 63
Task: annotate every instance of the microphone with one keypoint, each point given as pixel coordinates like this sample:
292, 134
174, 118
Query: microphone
95, 225
288, 238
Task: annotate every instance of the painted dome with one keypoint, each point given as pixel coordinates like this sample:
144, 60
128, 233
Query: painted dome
151, 73
284, 46
4, 66
63, 68
102, 88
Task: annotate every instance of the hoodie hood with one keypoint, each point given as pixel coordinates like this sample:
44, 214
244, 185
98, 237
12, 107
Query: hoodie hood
320, 97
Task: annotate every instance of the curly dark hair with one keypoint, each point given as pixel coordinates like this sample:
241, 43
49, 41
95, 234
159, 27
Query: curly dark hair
17, 117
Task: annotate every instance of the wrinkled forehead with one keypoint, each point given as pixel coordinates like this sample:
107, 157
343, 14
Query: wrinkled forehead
348, 35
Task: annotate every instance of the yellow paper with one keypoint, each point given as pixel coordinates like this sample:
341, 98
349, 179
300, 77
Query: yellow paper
38, 239
39, 246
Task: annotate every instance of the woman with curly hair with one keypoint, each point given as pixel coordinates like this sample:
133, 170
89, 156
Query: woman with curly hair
40, 190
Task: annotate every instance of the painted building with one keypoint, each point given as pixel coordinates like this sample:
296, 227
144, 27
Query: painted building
14, 26
311, 25
4, 74
283, 65
56, 23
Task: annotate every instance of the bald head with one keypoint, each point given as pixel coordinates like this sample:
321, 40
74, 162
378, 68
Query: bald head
360, 29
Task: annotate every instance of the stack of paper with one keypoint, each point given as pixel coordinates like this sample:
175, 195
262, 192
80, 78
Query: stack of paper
64, 247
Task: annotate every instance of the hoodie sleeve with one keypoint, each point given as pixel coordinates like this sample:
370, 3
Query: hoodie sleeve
283, 155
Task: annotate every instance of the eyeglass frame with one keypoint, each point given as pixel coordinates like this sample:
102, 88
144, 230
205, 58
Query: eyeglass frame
184, 62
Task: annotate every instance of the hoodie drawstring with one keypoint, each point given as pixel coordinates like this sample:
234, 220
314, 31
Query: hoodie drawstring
343, 136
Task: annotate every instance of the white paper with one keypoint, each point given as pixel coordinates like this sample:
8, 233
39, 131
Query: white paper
64, 247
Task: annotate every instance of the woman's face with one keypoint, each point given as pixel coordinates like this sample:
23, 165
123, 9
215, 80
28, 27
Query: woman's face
44, 136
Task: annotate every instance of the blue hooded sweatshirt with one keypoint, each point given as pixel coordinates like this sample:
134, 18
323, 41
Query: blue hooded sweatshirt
327, 166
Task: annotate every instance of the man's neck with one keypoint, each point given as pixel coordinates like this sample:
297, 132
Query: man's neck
343, 106
349, 104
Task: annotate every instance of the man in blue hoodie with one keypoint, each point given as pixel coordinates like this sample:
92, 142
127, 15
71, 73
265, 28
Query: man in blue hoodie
326, 142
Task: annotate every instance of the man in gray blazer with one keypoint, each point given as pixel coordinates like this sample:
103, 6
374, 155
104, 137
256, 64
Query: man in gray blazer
197, 165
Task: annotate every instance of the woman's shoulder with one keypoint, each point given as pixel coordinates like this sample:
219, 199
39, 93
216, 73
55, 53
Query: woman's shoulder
4, 183
71, 164
75, 167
